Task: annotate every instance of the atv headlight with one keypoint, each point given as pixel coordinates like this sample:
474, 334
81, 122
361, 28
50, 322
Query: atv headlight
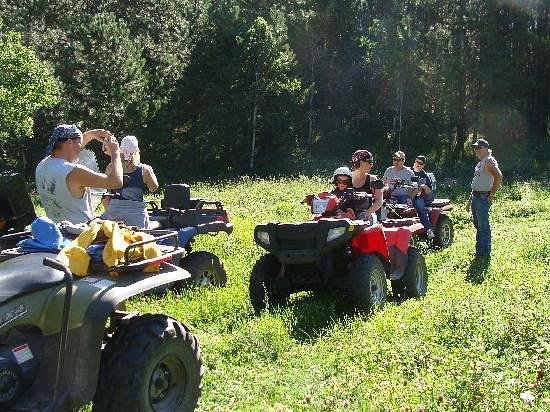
263, 237
335, 232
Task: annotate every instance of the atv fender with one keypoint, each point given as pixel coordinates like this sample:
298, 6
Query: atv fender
398, 239
370, 240
434, 214
88, 343
94, 299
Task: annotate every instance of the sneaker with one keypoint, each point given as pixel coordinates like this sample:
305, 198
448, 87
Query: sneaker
430, 233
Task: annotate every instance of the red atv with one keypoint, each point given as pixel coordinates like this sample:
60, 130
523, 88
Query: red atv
401, 214
352, 257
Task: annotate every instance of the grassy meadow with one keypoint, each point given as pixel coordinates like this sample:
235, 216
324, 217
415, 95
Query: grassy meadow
479, 340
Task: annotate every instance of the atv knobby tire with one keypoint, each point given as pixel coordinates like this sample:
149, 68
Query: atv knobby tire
444, 232
414, 283
153, 363
205, 268
367, 289
260, 286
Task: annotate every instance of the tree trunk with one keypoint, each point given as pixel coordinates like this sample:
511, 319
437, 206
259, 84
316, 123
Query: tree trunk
461, 103
253, 148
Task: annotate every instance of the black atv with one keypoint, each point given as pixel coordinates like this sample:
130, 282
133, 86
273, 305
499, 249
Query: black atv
16, 208
190, 217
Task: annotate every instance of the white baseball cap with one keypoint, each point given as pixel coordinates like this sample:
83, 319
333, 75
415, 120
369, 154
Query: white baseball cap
128, 145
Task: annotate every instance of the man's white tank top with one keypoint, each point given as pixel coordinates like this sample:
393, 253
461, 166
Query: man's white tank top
483, 181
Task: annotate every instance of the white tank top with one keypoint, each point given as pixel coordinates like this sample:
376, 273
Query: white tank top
58, 202
483, 181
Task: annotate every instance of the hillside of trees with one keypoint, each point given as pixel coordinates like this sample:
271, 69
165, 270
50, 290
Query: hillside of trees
223, 87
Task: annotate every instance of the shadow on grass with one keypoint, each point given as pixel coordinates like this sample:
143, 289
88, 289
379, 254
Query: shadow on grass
314, 315
478, 270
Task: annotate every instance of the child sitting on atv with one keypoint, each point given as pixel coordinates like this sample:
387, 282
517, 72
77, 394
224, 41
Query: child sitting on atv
337, 202
343, 190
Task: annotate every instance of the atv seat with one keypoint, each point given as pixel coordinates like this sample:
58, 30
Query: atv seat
176, 196
440, 202
25, 274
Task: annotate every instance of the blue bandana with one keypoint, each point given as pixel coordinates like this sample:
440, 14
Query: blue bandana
62, 132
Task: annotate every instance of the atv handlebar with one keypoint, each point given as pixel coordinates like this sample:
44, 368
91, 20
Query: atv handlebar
62, 349
54, 264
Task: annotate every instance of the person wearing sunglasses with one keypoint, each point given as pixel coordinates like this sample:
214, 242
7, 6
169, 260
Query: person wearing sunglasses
426, 195
485, 183
362, 180
342, 179
398, 172
63, 185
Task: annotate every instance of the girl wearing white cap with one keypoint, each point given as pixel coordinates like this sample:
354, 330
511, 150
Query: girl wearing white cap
126, 204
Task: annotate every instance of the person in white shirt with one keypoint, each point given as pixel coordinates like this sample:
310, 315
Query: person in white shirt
398, 172
64, 186
485, 183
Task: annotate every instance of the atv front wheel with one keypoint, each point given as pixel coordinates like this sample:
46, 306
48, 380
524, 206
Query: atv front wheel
414, 283
444, 232
260, 284
151, 364
367, 288
205, 268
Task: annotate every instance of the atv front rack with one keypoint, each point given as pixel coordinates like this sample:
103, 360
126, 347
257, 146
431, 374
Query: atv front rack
136, 265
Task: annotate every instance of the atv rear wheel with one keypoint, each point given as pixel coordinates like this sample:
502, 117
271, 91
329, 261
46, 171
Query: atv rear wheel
205, 268
151, 364
414, 283
260, 285
367, 288
444, 232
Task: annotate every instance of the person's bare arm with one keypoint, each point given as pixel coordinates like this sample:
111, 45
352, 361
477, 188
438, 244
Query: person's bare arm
109, 168
95, 134
377, 204
81, 177
150, 179
492, 168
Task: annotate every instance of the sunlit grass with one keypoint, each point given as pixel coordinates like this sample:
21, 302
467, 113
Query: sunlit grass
479, 339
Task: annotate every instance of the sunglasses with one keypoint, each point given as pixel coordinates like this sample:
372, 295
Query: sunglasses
397, 159
342, 181
419, 162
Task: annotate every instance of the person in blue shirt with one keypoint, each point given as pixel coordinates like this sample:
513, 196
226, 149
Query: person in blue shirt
425, 196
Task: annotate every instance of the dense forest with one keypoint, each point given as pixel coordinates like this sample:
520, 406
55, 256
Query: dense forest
223, 87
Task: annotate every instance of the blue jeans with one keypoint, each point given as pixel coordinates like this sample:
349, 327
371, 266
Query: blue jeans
420, 206
480, 213
401, 199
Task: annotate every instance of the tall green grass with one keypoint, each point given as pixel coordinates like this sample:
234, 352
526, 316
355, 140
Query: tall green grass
479, 340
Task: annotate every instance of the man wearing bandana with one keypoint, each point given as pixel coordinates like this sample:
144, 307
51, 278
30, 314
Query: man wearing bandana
63, 185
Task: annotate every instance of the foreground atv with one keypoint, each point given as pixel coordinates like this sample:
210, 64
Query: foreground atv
63, 343
353, 258
178, 211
